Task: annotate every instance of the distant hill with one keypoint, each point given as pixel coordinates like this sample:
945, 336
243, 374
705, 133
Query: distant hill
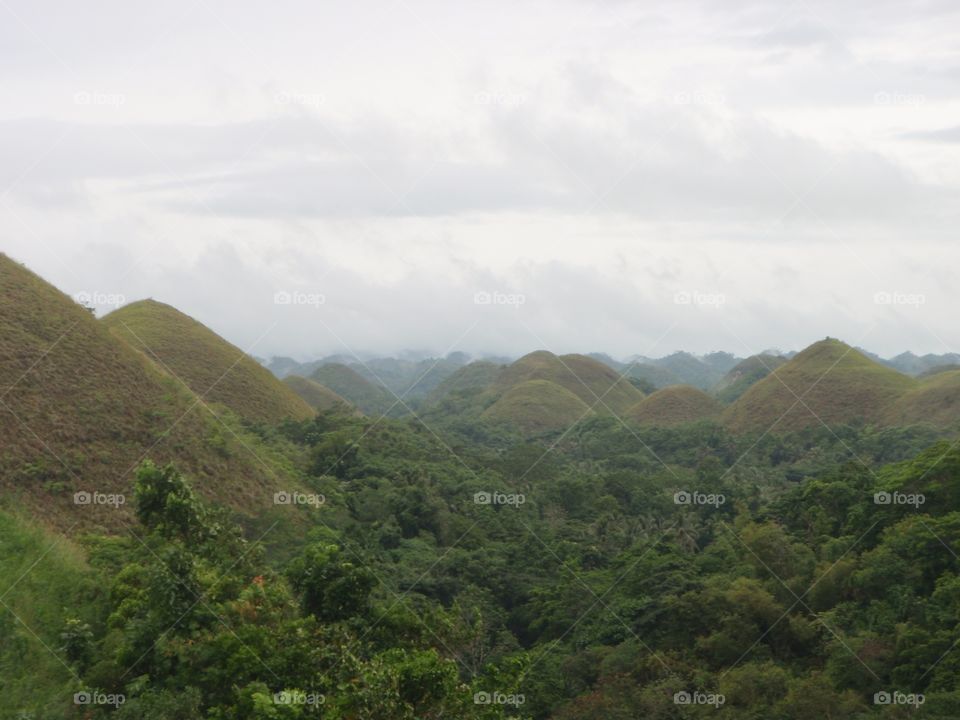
915, 365
836, 382
744, 374
674, 406
79, 410
596, 384
210, 366
317, 396
536, 406
477, 375
356, 389
934, 399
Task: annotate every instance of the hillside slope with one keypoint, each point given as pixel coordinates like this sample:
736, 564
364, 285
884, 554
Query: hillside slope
834, 382
317, 396
744, 374
674, 406
353, 387
597, 385
935, 399
210, 366
79, 409
536, 406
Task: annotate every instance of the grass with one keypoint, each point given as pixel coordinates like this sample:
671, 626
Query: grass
317, 396
80, 409
935, 399
46, 581
477, 375
582, 376
353, 387
208, 364
744, 374
837, 383
537, 406
674, 405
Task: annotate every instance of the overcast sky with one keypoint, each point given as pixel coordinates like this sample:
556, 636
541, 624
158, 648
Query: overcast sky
629, 177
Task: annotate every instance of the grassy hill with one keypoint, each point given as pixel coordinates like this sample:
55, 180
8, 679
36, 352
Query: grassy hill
210, 366
934, 399
674, 406
356, 389
594, 383
836, 382
317, 396
475, 376
744, 374
79, 409
536, 406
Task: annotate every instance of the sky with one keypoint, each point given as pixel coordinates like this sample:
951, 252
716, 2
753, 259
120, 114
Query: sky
632, 178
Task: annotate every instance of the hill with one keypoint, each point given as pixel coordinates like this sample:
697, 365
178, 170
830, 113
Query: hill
79, 410
935, 399
744, 374
317, 396
674, 406
356, 389
912, 364
834, 382
597, 385
214, 369
536, 406
476, 376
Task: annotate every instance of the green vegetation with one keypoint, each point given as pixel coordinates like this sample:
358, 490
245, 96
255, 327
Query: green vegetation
317, 396
674, 406
597, 385
744, 374
829, 382
356, 389
535, 406
508, 553
215, 370
935, 399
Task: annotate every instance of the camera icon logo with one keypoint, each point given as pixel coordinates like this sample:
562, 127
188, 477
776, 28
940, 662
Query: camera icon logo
482, 698
82, 498
682, 498
482, 498
882, 498
282, 498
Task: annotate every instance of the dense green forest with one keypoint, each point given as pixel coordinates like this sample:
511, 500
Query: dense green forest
461, 570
